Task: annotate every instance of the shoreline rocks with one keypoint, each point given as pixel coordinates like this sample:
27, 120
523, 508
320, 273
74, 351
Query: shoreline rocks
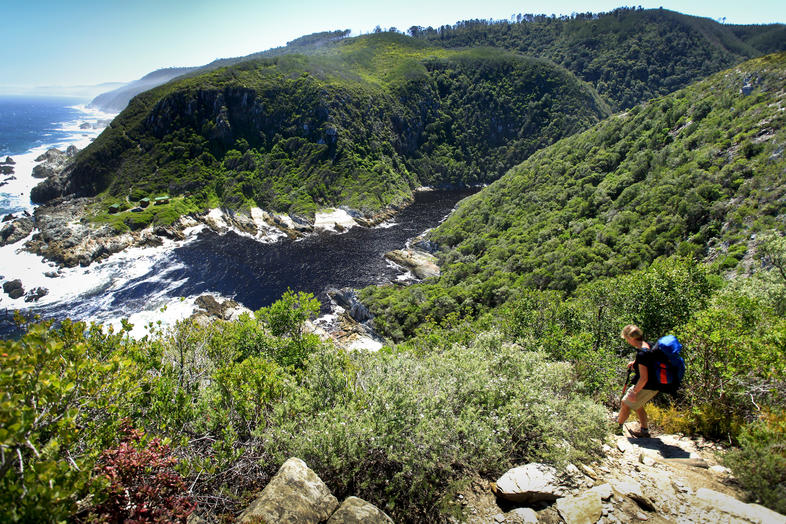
65, 236
15, 230
13, 288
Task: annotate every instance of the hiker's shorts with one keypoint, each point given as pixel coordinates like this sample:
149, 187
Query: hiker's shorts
642, 397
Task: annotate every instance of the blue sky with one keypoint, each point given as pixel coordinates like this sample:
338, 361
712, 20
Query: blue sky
87, 42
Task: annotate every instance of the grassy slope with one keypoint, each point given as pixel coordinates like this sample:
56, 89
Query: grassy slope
693, 173
359, 122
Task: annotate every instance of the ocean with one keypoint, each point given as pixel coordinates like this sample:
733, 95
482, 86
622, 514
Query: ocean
148, 285
31, 125
27, 122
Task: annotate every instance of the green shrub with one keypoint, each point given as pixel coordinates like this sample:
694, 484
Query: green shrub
405, 426
760, 461
735, 355
62, 396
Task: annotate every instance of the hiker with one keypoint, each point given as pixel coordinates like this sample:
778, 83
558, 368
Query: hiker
637, 395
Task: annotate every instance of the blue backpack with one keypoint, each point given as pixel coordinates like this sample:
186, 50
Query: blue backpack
667, 365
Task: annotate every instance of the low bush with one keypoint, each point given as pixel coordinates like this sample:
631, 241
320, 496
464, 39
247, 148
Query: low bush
401, 428
760, 461
141, 483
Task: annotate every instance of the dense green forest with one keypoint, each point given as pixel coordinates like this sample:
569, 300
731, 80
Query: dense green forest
630, 55
361, 124
695, 174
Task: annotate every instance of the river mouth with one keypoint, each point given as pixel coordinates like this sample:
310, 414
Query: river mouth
253, 273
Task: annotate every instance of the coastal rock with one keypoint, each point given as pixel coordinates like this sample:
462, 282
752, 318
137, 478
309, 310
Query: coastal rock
296, 494
169, 232
423, 265
333, 220
64, 238
8, 161
240, 221
6, 170
13, 288
357, 511
211, 307
48, 190
44, 171
528, 484
581, 509
347, 299
52, 155
53, 164
13, 232
35, 294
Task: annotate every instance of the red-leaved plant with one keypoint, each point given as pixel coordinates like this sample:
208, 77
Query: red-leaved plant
143, 484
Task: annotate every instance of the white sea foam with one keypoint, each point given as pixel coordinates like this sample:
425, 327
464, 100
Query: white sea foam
16, 193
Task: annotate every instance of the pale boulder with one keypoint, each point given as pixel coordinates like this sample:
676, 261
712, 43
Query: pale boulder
581, 509
295, 495
358, 511
530, 483
736, 508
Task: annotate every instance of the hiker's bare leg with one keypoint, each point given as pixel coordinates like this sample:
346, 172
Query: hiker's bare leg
624, 413
642, 414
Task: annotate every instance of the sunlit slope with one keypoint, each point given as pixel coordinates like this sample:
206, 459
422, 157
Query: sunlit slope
629, 55
358, 123
695, 173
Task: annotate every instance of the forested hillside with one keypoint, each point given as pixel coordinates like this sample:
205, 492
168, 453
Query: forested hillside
629, 55
695, 174
361, 124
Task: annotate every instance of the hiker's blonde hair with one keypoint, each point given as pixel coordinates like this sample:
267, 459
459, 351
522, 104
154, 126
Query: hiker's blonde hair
632, 331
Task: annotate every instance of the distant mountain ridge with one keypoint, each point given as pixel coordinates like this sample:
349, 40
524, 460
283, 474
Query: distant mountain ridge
116, 100
628, 54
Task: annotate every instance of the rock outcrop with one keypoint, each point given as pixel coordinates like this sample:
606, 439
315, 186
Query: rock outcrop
53, 162
348, 300
423, 265
297, 495
680, 482
13, 288
209, 308
358, 511
529, 484
12, 232
35, 294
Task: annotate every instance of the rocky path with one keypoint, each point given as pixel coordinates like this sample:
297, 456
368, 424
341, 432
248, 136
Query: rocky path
667, 478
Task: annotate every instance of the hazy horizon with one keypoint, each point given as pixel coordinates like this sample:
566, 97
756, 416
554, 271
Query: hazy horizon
57, 47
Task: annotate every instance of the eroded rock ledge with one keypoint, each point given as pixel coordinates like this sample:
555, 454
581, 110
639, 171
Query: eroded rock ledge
64, 235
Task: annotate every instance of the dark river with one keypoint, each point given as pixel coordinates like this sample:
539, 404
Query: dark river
254, 273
